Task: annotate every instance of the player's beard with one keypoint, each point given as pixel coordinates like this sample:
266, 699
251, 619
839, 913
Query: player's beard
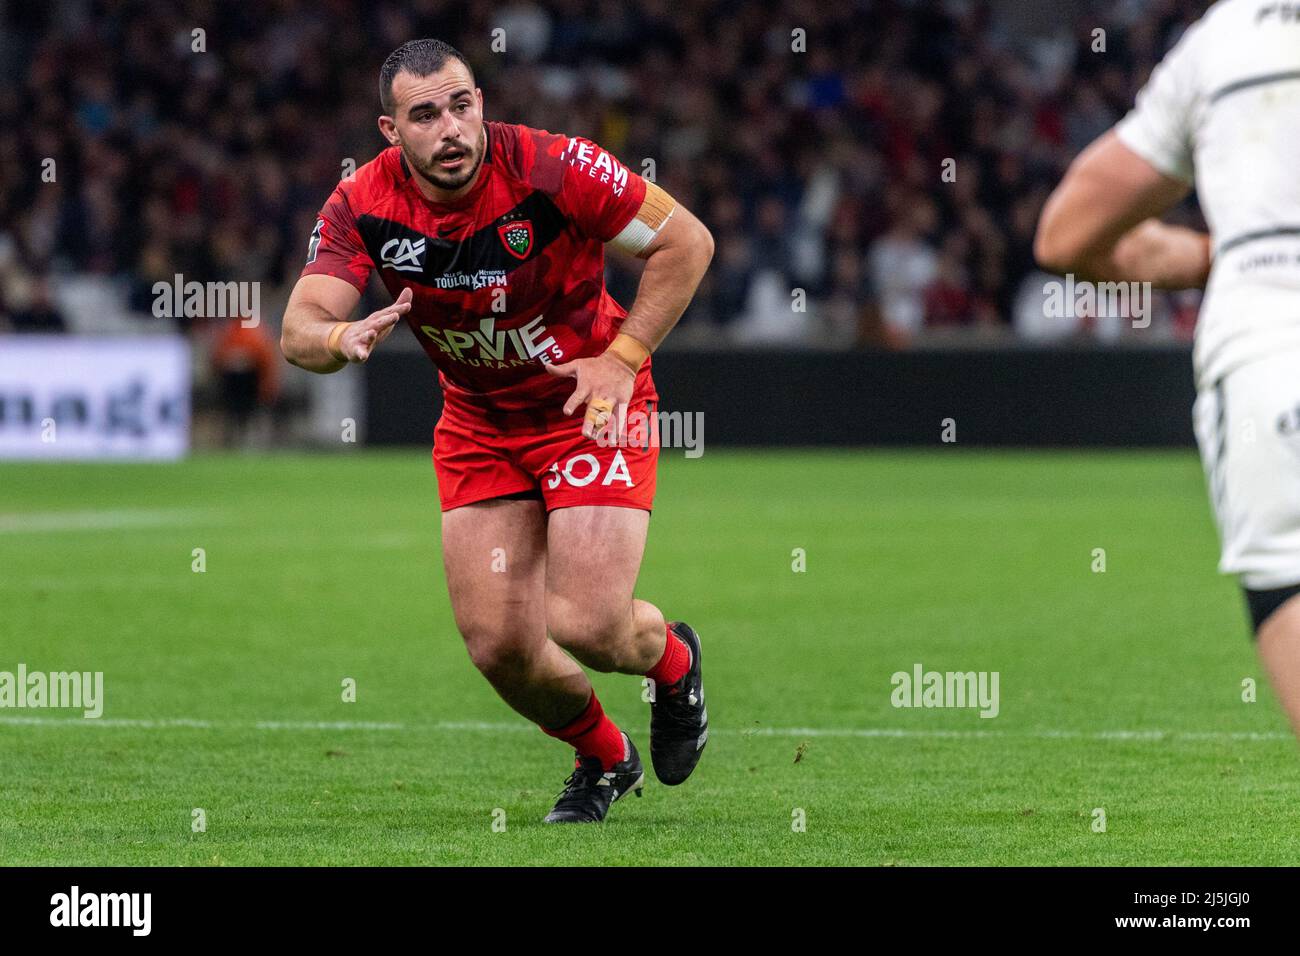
454, 179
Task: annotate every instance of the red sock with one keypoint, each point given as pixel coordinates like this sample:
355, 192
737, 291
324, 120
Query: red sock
676, 661
592, 734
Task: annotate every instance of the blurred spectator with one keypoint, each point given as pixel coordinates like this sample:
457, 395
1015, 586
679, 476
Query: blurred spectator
844, 316
247, 363
32, 308
902, 266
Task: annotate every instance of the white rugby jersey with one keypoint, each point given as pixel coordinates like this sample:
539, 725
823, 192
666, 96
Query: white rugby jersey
1223, 110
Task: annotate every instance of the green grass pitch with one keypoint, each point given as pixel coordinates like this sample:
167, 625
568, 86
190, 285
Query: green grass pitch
1119, 690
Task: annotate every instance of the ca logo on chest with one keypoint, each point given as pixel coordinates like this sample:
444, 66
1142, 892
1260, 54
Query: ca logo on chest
403, 255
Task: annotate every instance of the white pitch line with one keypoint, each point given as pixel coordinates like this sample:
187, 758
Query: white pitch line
164, 723
106, 520
484, 726
145, 723
327, 725
1151, 735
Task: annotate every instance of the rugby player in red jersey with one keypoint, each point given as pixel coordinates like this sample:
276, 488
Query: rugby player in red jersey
490, 237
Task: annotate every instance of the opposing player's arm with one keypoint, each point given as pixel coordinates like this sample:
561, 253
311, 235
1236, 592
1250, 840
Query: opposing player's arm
1102, 223
315, 333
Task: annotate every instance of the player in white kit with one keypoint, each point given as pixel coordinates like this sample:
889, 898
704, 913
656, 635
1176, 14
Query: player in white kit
1222, 111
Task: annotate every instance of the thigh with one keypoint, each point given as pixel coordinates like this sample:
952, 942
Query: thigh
1257, 457
473, 467
593, 559
494, 553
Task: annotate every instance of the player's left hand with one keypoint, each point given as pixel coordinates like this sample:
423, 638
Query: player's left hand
604, 385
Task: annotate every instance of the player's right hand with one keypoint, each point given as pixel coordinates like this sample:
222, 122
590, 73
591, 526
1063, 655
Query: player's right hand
360, 338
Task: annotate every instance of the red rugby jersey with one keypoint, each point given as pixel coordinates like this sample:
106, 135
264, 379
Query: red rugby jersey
503, 280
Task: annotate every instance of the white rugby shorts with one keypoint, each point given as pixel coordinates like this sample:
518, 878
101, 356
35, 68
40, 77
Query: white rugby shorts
1248, 429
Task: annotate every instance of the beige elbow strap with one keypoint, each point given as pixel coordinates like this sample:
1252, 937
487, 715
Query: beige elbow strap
656, 209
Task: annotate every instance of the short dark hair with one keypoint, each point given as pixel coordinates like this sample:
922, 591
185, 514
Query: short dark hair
420, 57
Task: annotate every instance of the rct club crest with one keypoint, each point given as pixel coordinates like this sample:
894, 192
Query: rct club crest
517, 237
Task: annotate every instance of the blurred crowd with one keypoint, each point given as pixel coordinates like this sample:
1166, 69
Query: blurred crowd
872, 171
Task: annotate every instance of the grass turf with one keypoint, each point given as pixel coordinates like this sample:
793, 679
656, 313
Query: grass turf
324, 568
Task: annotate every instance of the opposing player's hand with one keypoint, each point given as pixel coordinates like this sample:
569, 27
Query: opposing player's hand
360, 338
604, 384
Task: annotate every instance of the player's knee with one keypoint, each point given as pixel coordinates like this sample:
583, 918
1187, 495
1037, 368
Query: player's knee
589, 633
497, 658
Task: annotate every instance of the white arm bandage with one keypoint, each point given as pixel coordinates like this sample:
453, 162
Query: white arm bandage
656, 209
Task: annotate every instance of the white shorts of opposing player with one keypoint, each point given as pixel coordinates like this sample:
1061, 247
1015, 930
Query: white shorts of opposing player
1248, 430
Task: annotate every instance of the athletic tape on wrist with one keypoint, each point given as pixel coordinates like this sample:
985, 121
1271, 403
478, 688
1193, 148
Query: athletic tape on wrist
630, 351
332, 343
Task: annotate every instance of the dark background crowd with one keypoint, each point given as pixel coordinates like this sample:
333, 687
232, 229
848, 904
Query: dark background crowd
811, 137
